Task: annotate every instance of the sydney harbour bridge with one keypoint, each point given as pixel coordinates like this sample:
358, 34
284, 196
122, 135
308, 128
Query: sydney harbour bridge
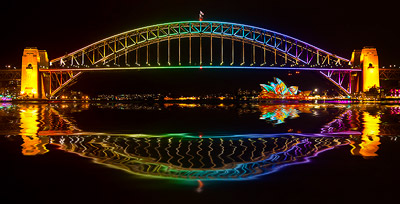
196, 45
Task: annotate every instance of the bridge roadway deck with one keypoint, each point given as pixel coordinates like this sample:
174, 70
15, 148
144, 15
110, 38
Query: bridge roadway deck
193, 67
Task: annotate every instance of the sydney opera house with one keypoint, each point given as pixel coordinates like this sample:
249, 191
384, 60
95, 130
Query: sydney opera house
279, 90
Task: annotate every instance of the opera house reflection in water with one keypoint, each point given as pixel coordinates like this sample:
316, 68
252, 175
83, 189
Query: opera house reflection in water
277, 114
189, 156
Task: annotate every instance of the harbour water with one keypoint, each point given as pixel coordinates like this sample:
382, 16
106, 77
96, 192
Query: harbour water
199, 153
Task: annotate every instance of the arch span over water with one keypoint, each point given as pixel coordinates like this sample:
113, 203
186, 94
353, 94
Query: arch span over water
292, 53
117, 45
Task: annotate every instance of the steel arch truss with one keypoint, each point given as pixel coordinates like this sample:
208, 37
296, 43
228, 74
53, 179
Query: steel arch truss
58, 80
297, 52
342, 79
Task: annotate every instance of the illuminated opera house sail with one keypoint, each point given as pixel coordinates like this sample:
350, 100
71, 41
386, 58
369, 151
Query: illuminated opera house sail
280, 90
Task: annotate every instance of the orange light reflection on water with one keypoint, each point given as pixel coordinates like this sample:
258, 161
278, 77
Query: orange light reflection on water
370, 140
32, 144
200, 187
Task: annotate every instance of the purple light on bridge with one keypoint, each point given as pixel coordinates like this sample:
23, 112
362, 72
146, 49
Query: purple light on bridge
199, 67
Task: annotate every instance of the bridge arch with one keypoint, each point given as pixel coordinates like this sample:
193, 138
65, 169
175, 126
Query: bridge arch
106, 50
294, 52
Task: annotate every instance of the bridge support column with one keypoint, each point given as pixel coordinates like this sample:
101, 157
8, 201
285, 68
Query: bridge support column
367, 60
32, 82
370, 67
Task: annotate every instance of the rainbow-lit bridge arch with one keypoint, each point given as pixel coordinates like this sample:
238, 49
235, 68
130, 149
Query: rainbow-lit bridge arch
235, 46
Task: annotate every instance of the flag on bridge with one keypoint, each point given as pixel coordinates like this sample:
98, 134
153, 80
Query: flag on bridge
201, 14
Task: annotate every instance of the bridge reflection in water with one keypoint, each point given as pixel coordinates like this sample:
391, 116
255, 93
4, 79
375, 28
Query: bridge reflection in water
187, 157
201, 157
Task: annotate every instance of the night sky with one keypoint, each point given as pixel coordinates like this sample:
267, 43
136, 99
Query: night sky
336, 26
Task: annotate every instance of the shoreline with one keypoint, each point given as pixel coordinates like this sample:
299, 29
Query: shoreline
271, 101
